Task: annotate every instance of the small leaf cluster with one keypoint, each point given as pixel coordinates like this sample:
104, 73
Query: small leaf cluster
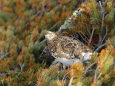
22, 26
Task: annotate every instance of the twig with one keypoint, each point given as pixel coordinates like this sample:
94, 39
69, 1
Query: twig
90, 67
88, 32
82, 37
2, 82
100, 5
42, 42
54, 25
104, 36
65, 77
100, 47
95, 76
100, 38
102, 23
22, 66
70, 82
68, 23
91, 36
99, 76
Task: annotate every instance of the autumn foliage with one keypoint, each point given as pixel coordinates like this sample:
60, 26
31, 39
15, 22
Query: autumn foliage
22, 26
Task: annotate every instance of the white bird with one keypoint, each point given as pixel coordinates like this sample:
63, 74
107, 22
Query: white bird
66, 47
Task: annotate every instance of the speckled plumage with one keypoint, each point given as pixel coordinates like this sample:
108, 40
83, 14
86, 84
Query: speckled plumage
66, 47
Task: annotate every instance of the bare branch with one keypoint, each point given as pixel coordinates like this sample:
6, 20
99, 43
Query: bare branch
84, 35
65, 77
90, 67
70, 82
95, 76
99, 76
22, 65
54, 25
100, 47
104, 36
101, 39
83, 38
91, 36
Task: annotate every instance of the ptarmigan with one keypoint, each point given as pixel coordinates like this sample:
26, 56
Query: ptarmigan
66, 47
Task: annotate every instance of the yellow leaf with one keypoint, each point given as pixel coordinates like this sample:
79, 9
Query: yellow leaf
59, 83
93, 84
76, 69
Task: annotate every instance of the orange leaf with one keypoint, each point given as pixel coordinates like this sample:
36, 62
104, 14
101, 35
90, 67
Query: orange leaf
76, 70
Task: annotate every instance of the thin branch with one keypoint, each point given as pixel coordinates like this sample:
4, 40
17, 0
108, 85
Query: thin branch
83, 38
42, 42
102, 22
91, 36
99, 76
70, 82
88, 32
68, 23
102, 8
95, 76
102, 25
100, 47
54, 25
100, 5
65, 77
100, 38
90, 67
84, 35
104, 36
22, 65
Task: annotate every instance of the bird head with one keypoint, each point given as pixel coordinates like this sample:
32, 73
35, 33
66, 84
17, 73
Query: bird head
50, 35
86, 56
